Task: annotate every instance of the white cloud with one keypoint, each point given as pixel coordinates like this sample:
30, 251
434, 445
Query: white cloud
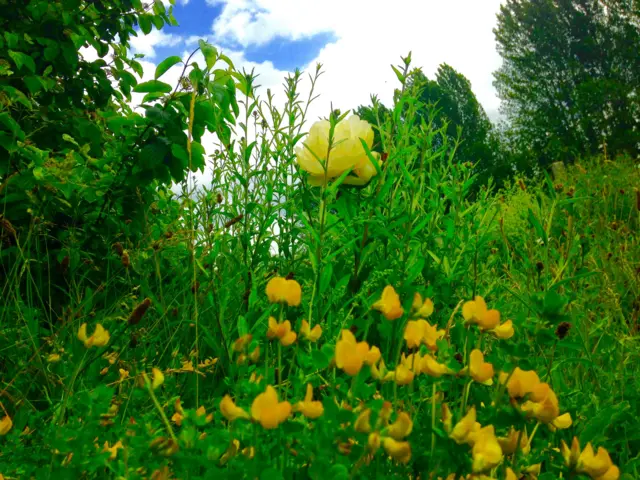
146, 44
371, 35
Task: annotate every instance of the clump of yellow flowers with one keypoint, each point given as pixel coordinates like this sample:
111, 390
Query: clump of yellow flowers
421, 358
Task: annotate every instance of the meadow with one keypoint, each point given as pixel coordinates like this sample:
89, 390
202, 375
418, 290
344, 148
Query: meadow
343, 298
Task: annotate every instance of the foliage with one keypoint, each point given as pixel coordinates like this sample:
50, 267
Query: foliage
263, 325
570, 75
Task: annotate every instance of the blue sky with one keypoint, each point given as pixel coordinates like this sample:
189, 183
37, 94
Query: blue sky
355, 40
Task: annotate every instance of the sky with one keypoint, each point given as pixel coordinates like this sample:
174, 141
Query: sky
356, 41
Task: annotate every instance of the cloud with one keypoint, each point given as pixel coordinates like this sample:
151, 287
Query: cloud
372, 35
146, 44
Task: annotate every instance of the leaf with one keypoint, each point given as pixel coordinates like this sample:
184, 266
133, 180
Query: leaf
210, 53
11, 125
326, 277
22, 59
152, 86
166, 64
144, 21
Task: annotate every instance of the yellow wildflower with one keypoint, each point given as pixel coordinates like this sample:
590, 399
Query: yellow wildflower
511, 475
373, 356
431, 367
462, 429
350, 355
509, 443
99, 338
418, 332
363, 422
241, 343
475, 311
268, 410
399, 429
282, 331
389, 304
486, 451
399, 451
5, 425
157, 378
230, 410
480, 371
421, 308
572, 454
113, 451
504, 331
202, 412
521, 382
254, 356
53, 358
346, 152
594, 464
380, 372
543, 405
308, 407
281, 290
403, 375
562, 422
308, 333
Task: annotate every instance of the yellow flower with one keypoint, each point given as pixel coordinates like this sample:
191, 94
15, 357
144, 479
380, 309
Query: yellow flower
5, 425
418, 332
53, 358
594, 464
612, 474
572, 454
202, 412
308, 407
380, 372
399, 429
510, 442
282, 331
254, 356
431, 367
268, 410
363, 422
373, 442
113, 451
399, 451
504, 331
241, 343
346, 152
157, 378
543, 405
99, 338
230, 410
480, 371
403, 375
562, 422
510, 475
350, 355
310, 334
486, 451
475, 311
373, 356
421, 308
447, 418
521, 382
462, 430
389, 304
281, 290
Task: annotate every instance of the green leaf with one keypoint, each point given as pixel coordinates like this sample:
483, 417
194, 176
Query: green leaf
144, 21
210, 53
11, 125
152, 86
166, 64
22, 59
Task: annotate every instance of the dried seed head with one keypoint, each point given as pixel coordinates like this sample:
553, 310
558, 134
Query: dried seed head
558, 187
521, 184
126, 262
139, 312
233, 221
219, 197
563, 330
118, 248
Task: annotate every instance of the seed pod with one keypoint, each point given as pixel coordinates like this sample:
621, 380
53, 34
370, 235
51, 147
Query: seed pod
563, 330
126, 262
139, 312
118, 248
233, 221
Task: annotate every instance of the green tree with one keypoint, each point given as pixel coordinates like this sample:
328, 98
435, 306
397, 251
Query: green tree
570, 76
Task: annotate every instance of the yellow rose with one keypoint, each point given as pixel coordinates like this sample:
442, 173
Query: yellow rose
346, 152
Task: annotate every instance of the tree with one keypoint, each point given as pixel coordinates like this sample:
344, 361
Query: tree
570, 76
